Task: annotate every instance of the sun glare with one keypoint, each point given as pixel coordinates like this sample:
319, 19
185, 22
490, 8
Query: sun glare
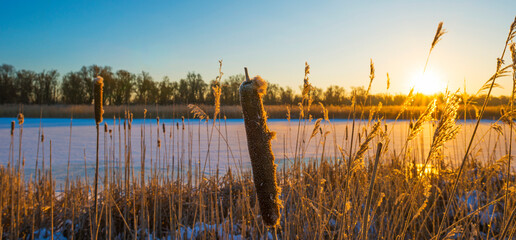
428, 83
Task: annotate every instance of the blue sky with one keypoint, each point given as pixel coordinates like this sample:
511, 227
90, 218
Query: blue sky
272, 38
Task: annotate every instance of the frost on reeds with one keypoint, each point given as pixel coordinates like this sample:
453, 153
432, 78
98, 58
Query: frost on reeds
259, 144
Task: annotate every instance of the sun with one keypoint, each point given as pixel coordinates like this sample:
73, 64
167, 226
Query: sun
428, 83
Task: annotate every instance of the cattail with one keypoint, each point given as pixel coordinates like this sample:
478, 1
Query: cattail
259, 144
98, 88
105, 127
12, 128
163, 127
157, 121
21, 118
42, 137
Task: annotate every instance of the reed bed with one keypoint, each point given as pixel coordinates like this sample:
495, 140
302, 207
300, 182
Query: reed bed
230, 111
359, 190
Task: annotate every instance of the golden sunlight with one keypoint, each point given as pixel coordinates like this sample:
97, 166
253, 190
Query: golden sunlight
427, 83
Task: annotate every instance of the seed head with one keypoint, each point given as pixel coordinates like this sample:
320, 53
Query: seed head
98, 88
12, 128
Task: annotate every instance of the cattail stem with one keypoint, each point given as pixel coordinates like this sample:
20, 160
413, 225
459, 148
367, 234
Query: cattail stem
96, 180
259, 144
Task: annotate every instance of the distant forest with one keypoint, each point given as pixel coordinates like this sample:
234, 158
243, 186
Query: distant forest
123, 87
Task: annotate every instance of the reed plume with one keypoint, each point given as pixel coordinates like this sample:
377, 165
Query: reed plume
388, 81
306, 84
197, 112
426, 116
438, 34
446, 128
371, 77
365, 145
259, 144
217, 92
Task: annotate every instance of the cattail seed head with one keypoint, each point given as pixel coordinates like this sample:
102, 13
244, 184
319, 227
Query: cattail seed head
20, 118
163, 127
42, 137
98, 88
12, 128
260, 150
105, 128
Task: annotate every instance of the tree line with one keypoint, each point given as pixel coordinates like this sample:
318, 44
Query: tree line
123, 87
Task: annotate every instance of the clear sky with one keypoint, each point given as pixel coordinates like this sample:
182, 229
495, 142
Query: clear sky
272, 38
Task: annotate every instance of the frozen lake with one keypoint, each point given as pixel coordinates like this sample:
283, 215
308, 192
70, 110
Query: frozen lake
227, 148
